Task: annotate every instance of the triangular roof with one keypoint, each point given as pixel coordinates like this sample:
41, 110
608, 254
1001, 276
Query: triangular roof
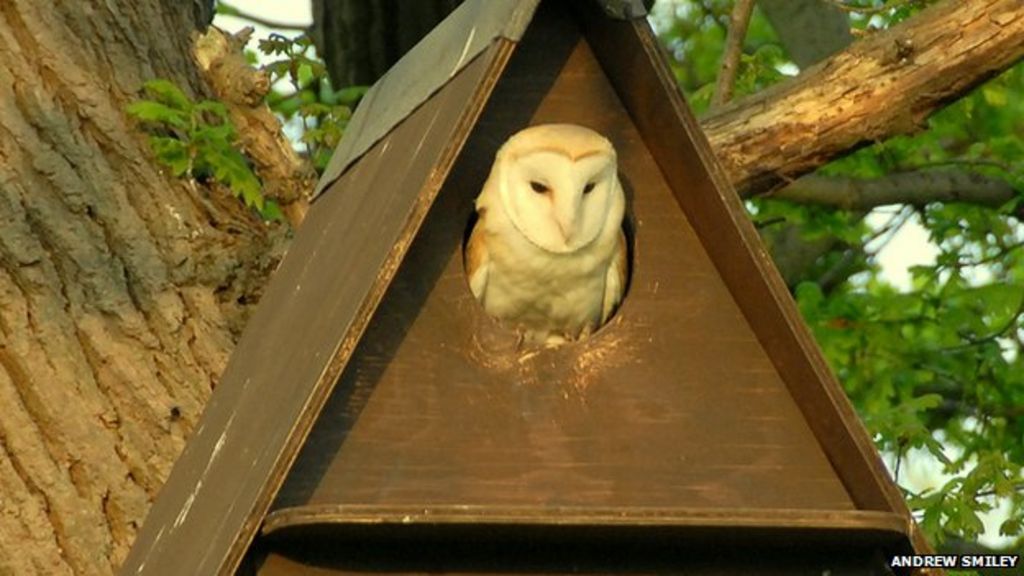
340, 308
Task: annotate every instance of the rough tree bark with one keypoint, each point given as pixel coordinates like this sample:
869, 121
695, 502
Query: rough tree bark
122, 290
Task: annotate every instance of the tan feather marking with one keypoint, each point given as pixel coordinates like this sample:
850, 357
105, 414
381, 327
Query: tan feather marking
622, 262
562, 151
615, 281
476, 258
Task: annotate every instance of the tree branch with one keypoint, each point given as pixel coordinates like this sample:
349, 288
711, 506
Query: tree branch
916, 187
881, 86
286, 178
794, 255
738, 23
868, 9
230, 10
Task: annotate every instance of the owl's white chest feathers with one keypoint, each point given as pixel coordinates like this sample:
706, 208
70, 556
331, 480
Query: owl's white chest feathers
539, 290
542, 292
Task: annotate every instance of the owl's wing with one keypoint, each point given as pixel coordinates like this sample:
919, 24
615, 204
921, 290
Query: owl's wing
478, 260
615, 279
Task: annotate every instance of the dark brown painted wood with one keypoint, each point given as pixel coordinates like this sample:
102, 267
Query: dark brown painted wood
701, 556
311, 316
540, 560
360, 521
593, 549
698, 541
630, 55
673, 404
684, 156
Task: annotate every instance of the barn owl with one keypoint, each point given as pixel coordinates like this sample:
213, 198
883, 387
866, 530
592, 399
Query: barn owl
547, 254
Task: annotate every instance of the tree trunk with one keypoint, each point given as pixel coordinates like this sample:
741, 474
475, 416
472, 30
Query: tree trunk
360, 39
122, 290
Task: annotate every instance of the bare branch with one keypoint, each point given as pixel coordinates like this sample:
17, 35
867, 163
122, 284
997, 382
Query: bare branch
230, 10
869, 9
286, 178
916, 187
794, 255
738, 23
879, 87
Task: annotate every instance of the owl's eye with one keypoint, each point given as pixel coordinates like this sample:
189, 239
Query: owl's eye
538, 187
589, 187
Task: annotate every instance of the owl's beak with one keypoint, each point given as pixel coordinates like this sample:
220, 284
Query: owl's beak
566, 220
566, 230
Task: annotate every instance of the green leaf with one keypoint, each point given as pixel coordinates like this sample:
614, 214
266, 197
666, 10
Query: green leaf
225, 9
351, 95
229, 167
304, 75
150, 111
172, 153
271, 211
166, 92
275, 44
278, 69
219, 135
1011, 527
314, 109
285, 105
218, 109
810, 297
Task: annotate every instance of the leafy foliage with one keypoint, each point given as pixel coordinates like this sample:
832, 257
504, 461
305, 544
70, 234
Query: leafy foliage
936, 368
694, 34
197, 140
323, 111
957, 335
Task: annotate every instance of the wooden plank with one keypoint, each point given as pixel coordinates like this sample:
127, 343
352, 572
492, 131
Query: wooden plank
302, 335
337, 520
540, 560
691, 541
674, 403
591, 549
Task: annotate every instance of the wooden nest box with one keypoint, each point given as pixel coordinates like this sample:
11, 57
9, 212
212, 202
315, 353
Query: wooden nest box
375, 418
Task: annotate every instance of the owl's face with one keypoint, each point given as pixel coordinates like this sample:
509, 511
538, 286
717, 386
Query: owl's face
557, 182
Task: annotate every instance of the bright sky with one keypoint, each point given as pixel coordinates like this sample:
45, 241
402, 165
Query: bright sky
291, 12
909, 247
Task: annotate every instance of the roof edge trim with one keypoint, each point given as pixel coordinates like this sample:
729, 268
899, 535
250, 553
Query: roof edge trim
431, 64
